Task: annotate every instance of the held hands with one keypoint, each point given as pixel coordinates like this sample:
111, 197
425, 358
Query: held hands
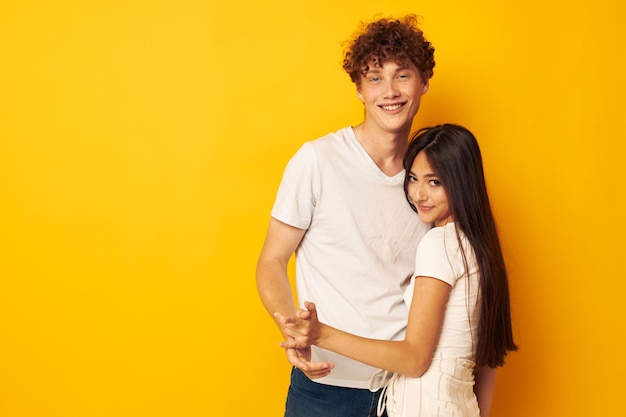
303, 330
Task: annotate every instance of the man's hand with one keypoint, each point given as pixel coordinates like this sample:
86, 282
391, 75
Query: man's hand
301, 359
302, 331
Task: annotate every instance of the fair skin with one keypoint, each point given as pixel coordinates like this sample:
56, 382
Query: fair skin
391, 95
275, 290
428, 193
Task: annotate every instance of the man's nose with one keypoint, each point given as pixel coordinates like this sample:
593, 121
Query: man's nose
391, 89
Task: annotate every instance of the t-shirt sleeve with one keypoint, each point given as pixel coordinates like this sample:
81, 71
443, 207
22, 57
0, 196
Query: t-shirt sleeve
435, 256
298, 190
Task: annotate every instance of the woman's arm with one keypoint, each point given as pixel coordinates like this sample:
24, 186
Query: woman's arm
410, 357
483, 388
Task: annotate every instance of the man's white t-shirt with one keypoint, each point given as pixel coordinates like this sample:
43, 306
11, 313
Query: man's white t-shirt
357, 255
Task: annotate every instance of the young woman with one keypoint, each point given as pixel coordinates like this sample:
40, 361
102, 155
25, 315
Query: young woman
459, 324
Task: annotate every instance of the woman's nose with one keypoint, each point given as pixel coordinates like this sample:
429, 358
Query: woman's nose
417, 192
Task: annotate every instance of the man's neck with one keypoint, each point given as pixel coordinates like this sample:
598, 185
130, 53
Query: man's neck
386, 149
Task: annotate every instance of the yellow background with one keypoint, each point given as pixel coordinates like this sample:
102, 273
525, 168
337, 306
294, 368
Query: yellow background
141, 145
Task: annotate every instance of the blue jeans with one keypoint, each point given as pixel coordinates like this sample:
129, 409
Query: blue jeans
311, 399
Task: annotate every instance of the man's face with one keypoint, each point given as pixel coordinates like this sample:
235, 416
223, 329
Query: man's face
391, 95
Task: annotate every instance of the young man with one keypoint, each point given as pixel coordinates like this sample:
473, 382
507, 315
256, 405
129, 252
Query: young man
341, 208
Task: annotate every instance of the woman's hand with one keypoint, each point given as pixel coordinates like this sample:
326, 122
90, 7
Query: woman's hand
303, 329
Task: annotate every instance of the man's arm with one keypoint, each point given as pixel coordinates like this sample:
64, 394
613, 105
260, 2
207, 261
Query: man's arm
272, 281
275, 291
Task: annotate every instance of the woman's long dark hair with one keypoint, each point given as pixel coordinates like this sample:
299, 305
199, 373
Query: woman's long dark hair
454, 155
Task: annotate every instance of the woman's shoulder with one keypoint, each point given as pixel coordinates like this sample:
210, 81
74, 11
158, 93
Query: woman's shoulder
443, 241
442, 234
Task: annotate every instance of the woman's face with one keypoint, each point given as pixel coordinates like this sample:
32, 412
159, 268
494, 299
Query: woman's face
428, 193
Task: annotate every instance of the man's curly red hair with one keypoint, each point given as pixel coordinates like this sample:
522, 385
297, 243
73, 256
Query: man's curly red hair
386, 40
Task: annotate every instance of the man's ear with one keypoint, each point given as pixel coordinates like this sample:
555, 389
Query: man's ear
425, 87
358, 93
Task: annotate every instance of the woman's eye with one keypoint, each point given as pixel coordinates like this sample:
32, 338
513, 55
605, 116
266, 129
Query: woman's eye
435, 182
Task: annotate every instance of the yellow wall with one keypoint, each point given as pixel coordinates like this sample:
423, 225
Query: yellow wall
141, 144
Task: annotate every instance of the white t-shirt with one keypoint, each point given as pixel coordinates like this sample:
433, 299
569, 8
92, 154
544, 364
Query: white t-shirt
439, 256
357, 254
446, 388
